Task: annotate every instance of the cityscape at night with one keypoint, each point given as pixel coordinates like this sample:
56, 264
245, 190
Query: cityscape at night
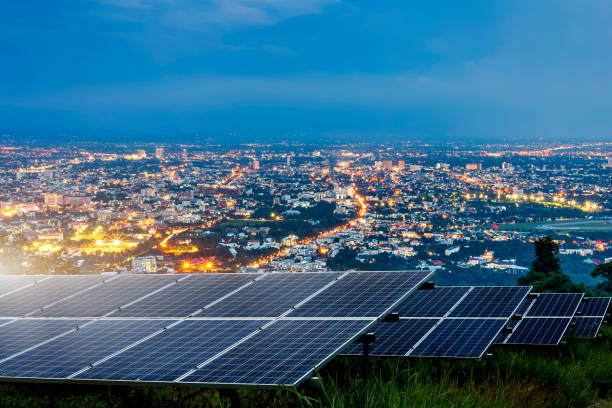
305, 204
470, 214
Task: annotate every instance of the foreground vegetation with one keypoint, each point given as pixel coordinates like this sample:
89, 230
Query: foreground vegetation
578, 374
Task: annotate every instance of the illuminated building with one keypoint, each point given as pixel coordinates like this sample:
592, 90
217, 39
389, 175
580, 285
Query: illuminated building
145, 264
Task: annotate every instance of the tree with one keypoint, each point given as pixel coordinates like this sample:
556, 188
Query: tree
604, 270
545, 274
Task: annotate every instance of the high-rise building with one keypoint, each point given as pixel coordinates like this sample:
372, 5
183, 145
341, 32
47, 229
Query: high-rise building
185, 155
159, 152
255, 164
400, 165
388, 164
610, 162
141, 153
473, 166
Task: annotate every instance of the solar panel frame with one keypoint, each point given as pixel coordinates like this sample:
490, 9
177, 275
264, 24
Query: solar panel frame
14, 283
30, 299
587, 326
545, 306
419, 303
353, 286
514, 296
271, 297
244, 349
555, 305
65, 354
407, 333
103, 299
146, 360
364, 323
485, 301
22, 334
548, 331
466, 333
594, 306
179, 298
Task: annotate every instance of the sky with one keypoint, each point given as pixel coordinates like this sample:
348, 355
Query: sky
311, 70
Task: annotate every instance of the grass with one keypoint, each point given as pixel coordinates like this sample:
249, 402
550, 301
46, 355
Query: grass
578, 374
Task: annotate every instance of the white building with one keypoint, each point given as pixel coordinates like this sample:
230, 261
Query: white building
145, 264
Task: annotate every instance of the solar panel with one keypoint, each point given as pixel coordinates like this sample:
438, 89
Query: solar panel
493, 301
186, 296
269, 297
525, 305
594, 306
174, 352
284, 353
66, 354
10, 283
21, 334
103, 299
587, 326
539, 331
555, 304
467, 338
431, 302
366, 294
395, 338
235, 350
43, 293
473, 302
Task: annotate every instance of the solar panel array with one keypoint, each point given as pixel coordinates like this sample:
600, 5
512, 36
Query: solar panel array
545, 319
258, 330
239, 330
591, 314
460, 322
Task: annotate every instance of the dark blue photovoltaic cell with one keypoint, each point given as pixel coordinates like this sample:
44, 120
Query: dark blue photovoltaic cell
395, 338
43, 293
174, 352
539, 331
494, 301
587, 326
431, 302
70, 353
366, 294
24, 333
595, 306
105, 298
524, 306
271, 296
555, 304
9, 283
186, 296
284, 353
467, 338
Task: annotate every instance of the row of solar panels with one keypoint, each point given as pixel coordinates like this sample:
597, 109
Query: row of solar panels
434, 322
258, 330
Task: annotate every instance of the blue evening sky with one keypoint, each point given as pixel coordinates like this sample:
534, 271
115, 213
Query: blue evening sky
310, 69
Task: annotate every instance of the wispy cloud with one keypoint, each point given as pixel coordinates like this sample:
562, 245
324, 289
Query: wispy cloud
199, 15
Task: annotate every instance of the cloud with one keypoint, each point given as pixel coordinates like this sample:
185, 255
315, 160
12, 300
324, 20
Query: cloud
200, 15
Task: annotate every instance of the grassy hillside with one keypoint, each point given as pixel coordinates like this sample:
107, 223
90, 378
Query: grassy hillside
578, 374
